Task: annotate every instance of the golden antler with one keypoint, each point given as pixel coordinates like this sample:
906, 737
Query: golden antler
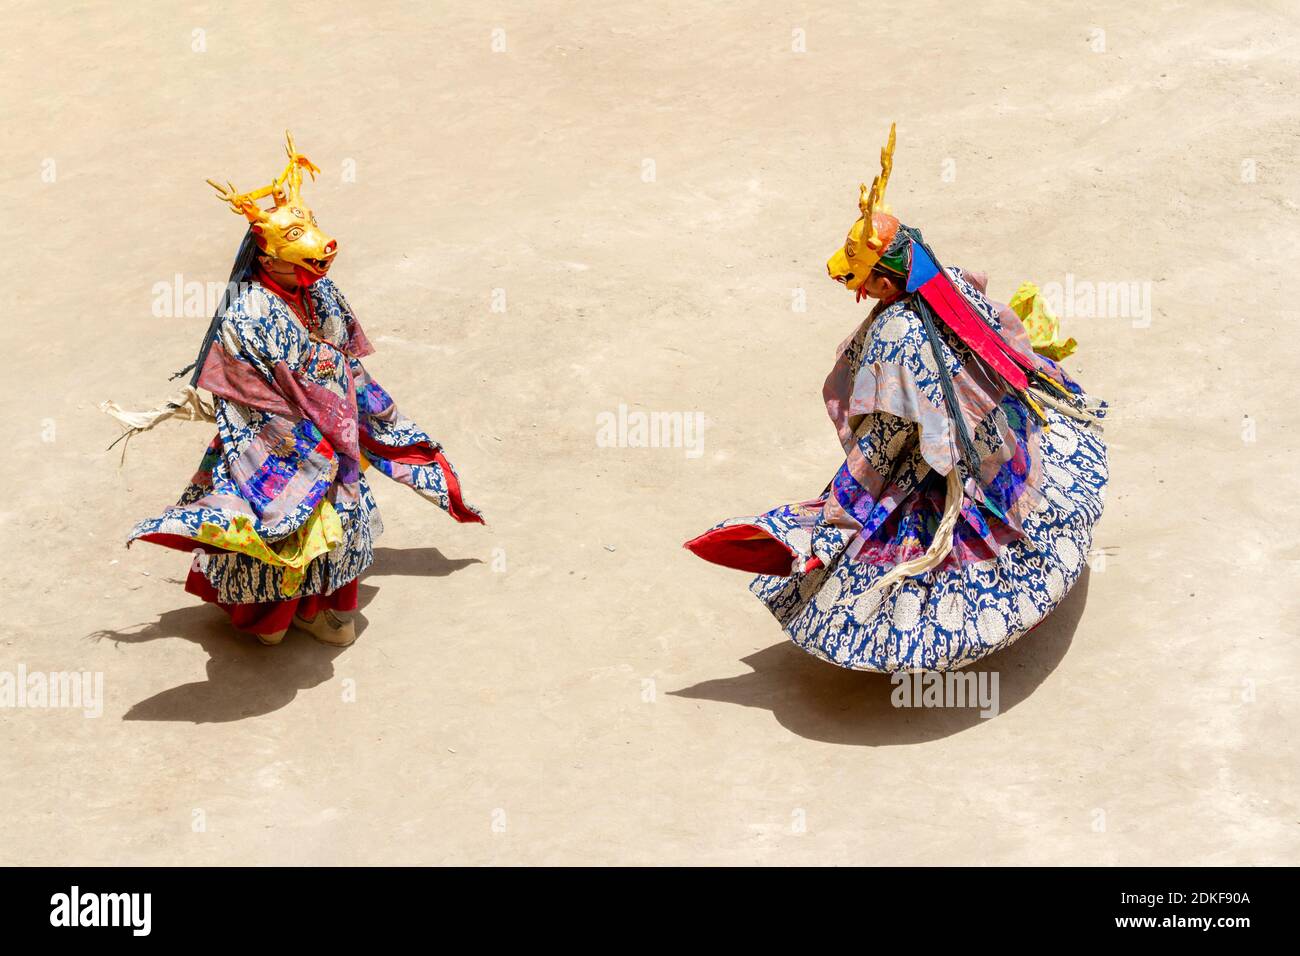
246, 203
297, 163
869, 199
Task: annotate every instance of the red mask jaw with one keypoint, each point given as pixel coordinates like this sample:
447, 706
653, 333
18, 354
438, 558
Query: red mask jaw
306, 277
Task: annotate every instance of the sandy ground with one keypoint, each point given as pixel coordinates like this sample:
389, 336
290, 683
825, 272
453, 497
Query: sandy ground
567, 685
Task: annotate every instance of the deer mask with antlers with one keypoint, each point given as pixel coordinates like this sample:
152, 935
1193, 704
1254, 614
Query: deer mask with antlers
288, 231
871, 235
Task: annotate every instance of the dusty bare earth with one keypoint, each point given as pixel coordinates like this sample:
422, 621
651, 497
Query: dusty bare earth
649, 188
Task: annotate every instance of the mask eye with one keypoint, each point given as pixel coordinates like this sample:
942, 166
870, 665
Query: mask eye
294, 233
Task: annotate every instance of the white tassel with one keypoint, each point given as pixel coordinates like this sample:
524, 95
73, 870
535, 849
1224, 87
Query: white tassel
939, 547
186, 405
1085, 415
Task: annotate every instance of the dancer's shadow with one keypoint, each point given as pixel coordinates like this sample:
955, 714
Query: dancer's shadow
418, 562
245, 679
823, 702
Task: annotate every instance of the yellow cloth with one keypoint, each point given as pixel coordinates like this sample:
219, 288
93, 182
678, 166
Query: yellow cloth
320, 533
1043, 327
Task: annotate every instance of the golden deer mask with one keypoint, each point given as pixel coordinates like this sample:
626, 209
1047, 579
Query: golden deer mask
288, 231
871, 235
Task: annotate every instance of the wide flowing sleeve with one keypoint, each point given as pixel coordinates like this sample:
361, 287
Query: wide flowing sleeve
397, 447
878, 471
386, 439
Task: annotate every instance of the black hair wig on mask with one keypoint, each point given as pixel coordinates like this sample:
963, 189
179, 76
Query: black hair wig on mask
240, 273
